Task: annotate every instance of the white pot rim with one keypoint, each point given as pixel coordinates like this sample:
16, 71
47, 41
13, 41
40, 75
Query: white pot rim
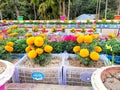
7, 74
96, 81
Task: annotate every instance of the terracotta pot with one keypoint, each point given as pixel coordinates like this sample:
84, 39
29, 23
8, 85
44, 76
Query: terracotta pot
98, 77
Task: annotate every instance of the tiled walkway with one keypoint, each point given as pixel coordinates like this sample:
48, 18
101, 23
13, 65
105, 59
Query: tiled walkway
31, 86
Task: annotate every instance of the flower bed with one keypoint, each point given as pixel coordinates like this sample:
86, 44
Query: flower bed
52, 72
75, 73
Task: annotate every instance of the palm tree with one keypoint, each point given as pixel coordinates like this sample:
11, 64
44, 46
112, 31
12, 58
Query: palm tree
48, 9
34, 3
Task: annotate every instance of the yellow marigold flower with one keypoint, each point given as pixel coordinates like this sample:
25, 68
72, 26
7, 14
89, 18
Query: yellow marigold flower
28, 34
98, 49
1, 38
95, 36
88, 39
30, 40
10, 44
48, 48
28, 48
76, 49
35, 28
112, 35
80, 38
94, 56
39, 50
84, 53
8, 48
38, 41
32, 54
43, 36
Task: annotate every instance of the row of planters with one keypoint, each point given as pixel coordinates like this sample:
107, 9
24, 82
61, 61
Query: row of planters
36, 67
112, 26
63, 68
68, 23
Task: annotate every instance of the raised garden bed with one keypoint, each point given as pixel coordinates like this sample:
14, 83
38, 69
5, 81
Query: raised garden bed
75, 73
52, 72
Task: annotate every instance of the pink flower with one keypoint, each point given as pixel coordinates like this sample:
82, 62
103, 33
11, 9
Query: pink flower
4, 31
69, 38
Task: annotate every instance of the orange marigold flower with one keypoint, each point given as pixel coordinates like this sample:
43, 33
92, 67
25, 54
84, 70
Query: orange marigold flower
39, 50
28, 48
76, 49
94, 56
88, 39
10, 44
80, 38
30, 40
84, 53
98, 49
32, 54
39, 41
8, 48
48, 48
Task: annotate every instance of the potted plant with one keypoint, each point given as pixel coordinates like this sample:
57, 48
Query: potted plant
79, 67
39, 61
112, 49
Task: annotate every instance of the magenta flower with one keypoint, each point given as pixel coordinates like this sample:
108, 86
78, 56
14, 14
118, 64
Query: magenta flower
69, 38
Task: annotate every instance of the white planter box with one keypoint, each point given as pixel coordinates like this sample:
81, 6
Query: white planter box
74, 75
52, 74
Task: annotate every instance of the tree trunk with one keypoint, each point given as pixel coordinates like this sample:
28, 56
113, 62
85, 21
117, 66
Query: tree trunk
106, 4
1, 15
63, 8
35, 16
60, 7
68, 9
99, 9
118, 12
16, 10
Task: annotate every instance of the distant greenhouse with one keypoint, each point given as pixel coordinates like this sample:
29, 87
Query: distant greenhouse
86, 16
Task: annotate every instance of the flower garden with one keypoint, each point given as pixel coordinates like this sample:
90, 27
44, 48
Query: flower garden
58, 52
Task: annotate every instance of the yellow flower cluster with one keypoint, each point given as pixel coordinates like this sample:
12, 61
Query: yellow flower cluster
87, 47
1, 38
112, 35
26, 28
28, 34
86, 39
76, 49
94, 56
98, 49
36, 46
53, 29
9, 46
84, 53
35, 29
72, 30
13, 27
13, 34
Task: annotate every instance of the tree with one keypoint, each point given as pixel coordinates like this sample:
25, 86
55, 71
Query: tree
48, 9
35, 3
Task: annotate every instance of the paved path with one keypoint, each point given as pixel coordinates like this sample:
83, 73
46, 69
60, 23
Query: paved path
31, 86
